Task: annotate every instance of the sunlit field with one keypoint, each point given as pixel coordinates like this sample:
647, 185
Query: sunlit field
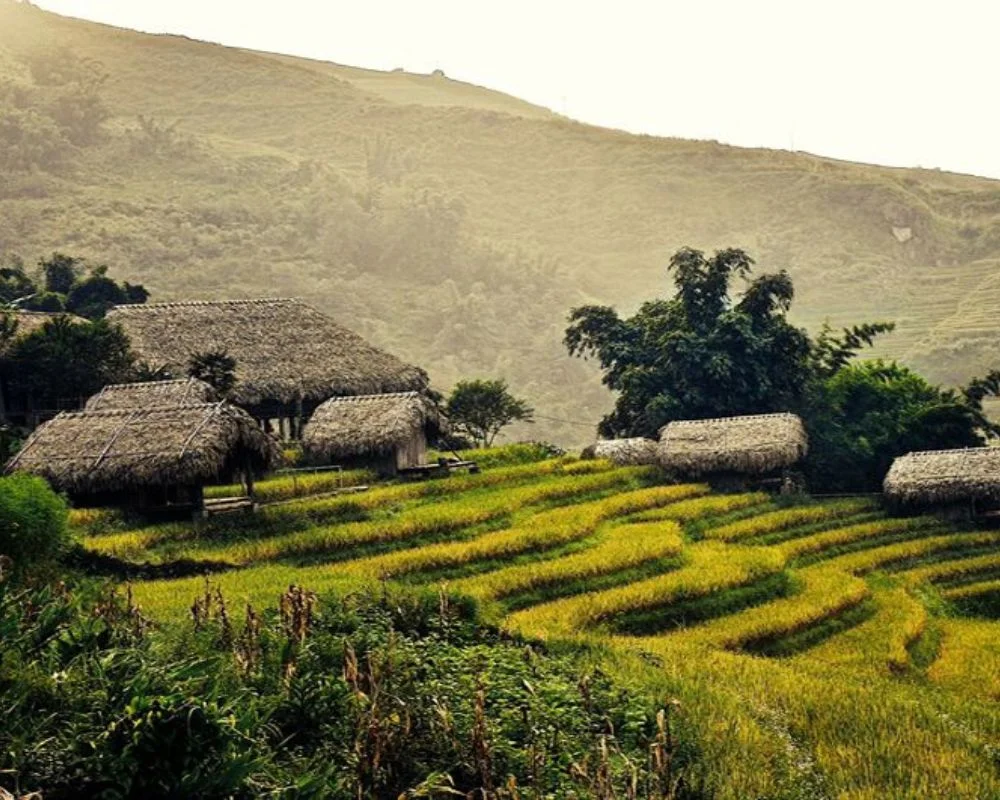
818, 649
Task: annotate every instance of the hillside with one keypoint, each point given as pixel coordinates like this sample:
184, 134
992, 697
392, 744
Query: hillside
452, 224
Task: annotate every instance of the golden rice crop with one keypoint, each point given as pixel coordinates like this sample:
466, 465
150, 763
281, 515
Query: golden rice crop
967, 590
420, 520
702, 507
954, 571
787, 518
879, 643
622, 547
297, 484
825, 593
900, 552
710, 567
853, 534
544, 530
968, 658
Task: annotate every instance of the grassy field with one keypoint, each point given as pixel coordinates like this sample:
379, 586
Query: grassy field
818, 649
455, 225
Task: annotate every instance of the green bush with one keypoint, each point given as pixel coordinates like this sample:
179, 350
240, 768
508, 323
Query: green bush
33, 519
382, 694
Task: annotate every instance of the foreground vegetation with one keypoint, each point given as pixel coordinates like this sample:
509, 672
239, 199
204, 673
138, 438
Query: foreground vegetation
816, 649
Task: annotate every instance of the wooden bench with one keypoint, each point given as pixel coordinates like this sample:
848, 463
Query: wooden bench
444, 466
228, 505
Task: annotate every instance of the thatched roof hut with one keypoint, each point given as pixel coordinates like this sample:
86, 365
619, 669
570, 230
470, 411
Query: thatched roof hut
382, 426
107, 452
939, 477
150, 394
623, 452
285, 351
750, 445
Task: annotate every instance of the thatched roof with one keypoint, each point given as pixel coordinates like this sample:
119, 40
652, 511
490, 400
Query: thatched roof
350, 426
945, 476
284, 349
89, 452
623, 452
148, 394
751, 445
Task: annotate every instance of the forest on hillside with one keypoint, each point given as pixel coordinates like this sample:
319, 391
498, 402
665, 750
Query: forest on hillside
458, 233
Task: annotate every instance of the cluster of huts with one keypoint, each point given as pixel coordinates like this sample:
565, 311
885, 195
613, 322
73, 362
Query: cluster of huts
158, 443
768, 447
300, 375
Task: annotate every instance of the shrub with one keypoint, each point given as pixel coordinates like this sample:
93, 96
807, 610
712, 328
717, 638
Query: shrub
32, 521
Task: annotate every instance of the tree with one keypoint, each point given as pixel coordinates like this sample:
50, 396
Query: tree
60, 272
66, 359
865, 415
94, 296
480, 409
701, 353
218, 369
704, 354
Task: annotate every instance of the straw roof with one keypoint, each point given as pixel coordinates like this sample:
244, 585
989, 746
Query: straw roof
284, 349
350, 426
624, 452
945, 476
148, 394
89, 452
751, 445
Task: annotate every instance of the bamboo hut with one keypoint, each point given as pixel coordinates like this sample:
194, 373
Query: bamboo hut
289, 357
388, 432
746, 446
147, 458
624, 452
970, 477
151, 394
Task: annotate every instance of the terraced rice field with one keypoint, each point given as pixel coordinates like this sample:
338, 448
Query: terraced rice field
819, 649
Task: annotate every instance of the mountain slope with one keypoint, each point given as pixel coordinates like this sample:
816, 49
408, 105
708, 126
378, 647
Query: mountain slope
456, 225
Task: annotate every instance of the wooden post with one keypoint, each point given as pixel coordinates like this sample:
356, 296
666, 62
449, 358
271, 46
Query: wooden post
298, 418
281, 428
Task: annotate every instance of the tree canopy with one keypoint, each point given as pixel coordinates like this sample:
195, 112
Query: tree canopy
480, 409
708, 352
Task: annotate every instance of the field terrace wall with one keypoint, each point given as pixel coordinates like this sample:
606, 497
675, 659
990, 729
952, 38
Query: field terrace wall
384, 431
946, 478
289, 357
146, 457
750, 446
150, 394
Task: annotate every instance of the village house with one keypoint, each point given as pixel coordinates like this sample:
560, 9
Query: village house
386, 432
147, 458
289, 357
754, 446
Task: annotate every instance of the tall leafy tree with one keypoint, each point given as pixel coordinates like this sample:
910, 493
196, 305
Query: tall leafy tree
706, 353
703, 352
66, 359
480, 409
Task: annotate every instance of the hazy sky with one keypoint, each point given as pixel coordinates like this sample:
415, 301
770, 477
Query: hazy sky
903, 83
